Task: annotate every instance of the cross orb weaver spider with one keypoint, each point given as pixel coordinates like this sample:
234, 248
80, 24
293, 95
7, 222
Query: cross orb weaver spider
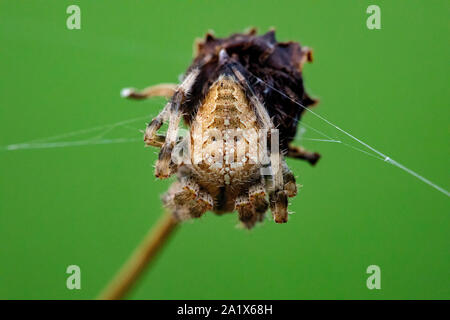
240, 128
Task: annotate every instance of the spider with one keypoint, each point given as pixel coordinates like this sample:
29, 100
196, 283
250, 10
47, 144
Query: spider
240, 127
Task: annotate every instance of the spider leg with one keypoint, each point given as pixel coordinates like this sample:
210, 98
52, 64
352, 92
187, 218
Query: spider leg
301, 153
189, 190
160, 90
289, 181
163, 165
280, 191
202, 203
257, 195
246, 211
151, 138
278, 197
194, 207
187, 200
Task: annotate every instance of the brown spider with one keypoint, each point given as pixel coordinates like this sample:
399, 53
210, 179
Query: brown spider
240, 128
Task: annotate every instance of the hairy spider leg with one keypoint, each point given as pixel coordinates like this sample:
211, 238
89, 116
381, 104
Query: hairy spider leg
290, 186
246, 211
163, 165
257, 196
277, 195
187, 200
151, 137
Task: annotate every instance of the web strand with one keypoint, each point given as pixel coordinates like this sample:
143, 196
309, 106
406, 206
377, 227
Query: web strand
49, 142
61, 144
383, 156
89, 130
46, 143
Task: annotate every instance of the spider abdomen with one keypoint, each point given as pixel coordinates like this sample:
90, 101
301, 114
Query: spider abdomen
224, 137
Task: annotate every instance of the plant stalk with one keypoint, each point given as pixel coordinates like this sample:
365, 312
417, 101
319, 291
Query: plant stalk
143, 255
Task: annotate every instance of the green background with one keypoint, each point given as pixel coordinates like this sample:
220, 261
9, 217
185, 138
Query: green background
91, 205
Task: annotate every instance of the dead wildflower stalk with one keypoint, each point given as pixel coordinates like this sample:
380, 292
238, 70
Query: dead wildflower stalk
142, 256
